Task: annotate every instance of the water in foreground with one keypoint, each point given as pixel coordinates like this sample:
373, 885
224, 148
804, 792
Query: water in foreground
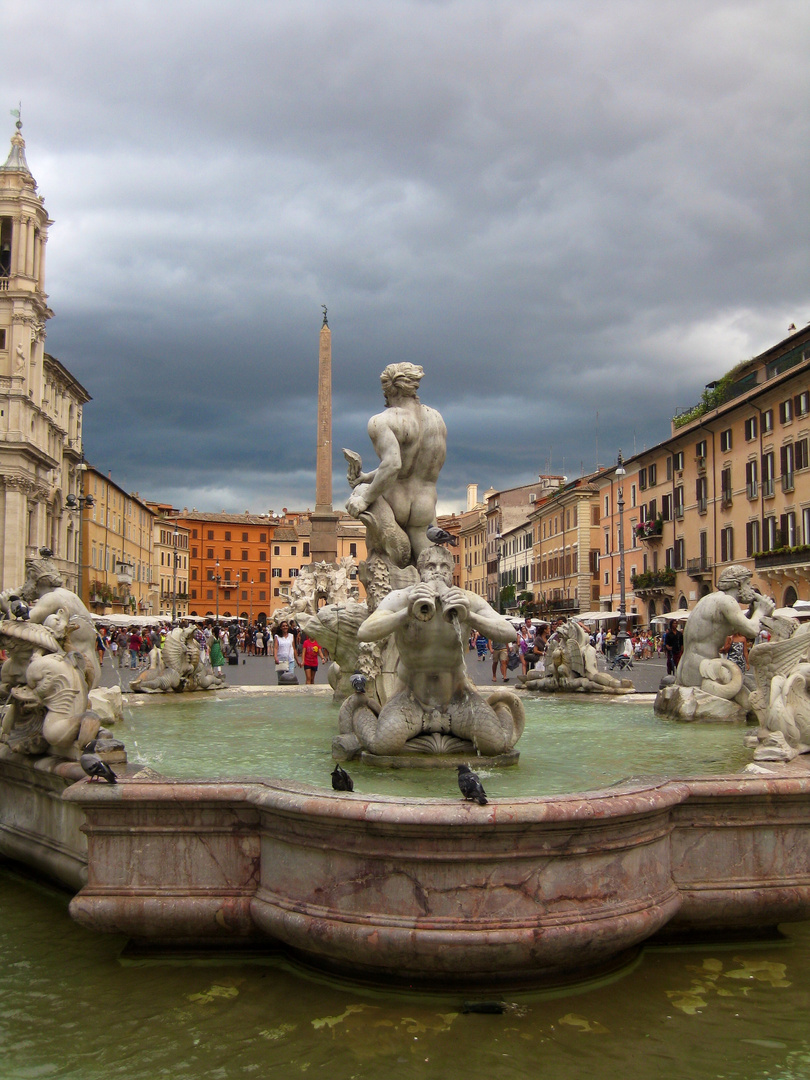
73, 1010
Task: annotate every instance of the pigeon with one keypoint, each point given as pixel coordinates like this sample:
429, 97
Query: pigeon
341, 781
441, 536
95, 768
470, 786
358, 682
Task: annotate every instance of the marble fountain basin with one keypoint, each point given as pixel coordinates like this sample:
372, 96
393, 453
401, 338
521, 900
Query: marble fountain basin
435, 892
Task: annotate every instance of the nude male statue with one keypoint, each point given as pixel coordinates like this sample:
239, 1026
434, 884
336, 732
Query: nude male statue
431, 624
715, 617
397, 500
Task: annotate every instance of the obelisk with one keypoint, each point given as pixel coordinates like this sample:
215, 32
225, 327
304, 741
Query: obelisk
323, 543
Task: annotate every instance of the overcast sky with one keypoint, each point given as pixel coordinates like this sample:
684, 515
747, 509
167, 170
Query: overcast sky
573, 214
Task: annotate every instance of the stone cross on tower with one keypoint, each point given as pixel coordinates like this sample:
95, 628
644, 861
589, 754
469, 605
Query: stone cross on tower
323, 544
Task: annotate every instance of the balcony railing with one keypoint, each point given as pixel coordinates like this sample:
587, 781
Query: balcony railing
697, 568
767, 488
652, 580
726, 497
783, 557
787, 481
752, 489
702, 505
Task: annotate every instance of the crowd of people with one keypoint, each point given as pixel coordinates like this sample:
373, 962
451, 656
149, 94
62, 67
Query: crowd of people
219, 643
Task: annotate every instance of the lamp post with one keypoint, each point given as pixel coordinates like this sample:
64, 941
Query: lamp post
175, 539
76, 504
217, 580
498, 553
621, 637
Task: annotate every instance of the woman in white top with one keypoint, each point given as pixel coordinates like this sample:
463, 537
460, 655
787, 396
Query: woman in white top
284, 648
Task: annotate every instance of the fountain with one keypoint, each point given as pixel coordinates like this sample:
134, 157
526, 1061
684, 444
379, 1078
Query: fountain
426, 892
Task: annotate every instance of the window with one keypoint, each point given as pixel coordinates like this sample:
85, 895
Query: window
227, 575
767, 474
786, 455
725, 440
209, 553
607, 506
751, 485
194, 553
209, 594
632, 498
642, 483
227, 536
227, 553
244, 556
666, 507
244, 538
751, 538
801, 403
262, 575
262, 537
678, 502
276, 550
210, 534
677, 460
726, 544
652, 474
679, 554
786, 411
750, 429
801, 460
353, 550
669, 468
262, 556
769, 533
700, 450
293, 550
787, 529
209, 575
701, 498
725, 487
193, 534
194, 573
276, 571
767, 421
306, 549
806, 524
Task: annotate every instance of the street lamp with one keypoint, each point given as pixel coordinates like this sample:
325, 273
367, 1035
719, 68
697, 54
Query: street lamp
498, 554
175, 539
76, 504
621, 637
217, 580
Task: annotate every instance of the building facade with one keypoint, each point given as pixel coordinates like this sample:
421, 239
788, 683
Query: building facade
730, 485
566, 551
40, 401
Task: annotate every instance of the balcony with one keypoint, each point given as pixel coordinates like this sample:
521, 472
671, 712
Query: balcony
649, 531
783, 556
698, 568
567, 603
654, 582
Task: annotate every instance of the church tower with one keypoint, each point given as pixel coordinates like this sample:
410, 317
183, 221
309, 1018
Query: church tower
40, 402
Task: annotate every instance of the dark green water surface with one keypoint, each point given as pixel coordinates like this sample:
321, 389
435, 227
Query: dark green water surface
72, 1009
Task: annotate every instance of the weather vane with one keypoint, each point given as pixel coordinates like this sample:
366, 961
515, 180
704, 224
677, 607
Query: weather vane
16, 112
325, 320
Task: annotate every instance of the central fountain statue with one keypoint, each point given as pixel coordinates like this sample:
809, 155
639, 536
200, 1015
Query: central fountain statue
412, 643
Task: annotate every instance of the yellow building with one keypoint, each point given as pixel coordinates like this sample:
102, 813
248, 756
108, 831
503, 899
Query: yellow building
117, 549
566, 550
730, 485
171, 568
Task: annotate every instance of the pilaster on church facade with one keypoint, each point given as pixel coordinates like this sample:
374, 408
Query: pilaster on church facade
40, 401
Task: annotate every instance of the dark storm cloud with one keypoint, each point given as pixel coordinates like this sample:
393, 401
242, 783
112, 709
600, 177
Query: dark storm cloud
573, 215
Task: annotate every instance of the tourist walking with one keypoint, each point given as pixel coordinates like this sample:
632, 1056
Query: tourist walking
216, 654
284, 648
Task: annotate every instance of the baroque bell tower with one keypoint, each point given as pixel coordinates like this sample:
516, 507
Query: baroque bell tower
40, 401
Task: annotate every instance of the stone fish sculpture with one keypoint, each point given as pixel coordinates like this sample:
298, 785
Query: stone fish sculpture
177, 667
571, 666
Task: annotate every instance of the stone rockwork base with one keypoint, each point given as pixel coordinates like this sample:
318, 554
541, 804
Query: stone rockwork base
428, 892
691, 704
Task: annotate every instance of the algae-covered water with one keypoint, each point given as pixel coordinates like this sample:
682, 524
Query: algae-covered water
73, 1010
569, 744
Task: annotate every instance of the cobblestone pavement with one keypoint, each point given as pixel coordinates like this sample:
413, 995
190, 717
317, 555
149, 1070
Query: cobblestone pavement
260, 671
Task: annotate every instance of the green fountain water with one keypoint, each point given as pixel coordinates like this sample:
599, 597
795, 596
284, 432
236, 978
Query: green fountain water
568, 745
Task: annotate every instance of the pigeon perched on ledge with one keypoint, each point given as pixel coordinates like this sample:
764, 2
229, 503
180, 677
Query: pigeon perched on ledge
441, 536
341, 781
358, 682
470, 786
95, 768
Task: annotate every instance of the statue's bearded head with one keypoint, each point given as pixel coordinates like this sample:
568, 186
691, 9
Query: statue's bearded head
401, 380
736, 580
435, 564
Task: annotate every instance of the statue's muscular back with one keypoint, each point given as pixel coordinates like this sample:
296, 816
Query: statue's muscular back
421, 436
